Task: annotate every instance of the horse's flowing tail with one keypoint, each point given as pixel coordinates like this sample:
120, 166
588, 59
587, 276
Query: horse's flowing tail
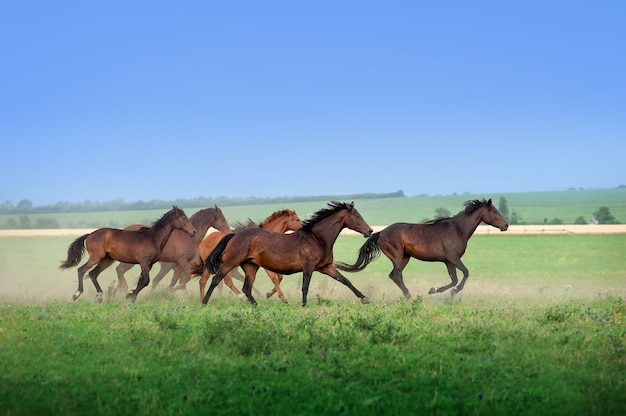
368, 252
74, 252
214, 259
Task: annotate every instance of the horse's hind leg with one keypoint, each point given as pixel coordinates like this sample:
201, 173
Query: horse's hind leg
453, 280
276, 279
144, 280
121, 269
165, 269
396, 275
250, 271
93, 274
334, 273
217, 278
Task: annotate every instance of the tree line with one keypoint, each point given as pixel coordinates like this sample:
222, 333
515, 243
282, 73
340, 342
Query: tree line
25, 206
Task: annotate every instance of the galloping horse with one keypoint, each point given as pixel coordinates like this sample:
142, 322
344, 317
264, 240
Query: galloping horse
180, 250
143, 247
308, 249
280, 222
443, 239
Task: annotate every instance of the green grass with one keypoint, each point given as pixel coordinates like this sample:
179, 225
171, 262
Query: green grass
171, 357
533, 207
539, 328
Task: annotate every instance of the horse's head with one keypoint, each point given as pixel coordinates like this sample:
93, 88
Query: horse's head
492, 216
355, 221
293, 220
181, 221
219, 221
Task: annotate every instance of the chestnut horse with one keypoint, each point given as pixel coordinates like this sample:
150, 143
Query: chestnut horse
308, 249
180, 250
280, 222
143, 247
443, 240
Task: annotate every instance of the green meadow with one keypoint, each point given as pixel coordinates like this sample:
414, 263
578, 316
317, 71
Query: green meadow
538, 329
531, 207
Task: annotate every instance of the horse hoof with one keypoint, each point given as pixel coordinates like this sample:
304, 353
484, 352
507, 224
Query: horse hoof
432, 290
76, 295
285, 301
365, 300
98, 297
268, 295
454, 292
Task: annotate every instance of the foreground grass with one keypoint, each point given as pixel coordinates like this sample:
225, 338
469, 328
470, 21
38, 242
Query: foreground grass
335, 357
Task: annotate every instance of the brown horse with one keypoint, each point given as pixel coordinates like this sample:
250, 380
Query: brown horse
143, 247
280, 222
180, 250
443, 239
308, 249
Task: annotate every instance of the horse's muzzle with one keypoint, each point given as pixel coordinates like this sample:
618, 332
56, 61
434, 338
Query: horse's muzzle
504, 227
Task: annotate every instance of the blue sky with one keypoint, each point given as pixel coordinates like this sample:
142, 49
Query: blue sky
163, 100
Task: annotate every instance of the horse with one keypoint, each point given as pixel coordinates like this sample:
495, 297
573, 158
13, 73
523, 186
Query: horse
143, 247
443, 240
280, 221
307, 249
180, 250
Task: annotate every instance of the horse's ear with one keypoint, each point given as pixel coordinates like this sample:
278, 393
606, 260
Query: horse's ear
489, 202
352, 204
215, 206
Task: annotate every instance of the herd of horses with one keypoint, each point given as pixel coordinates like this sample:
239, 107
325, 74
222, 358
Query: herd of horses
281, 244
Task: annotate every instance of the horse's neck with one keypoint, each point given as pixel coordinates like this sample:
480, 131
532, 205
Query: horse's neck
278, 226
468, 223
328, 230
162, 235
201, 230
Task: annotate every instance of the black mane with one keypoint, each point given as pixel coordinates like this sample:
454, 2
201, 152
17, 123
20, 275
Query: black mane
242, 225
469, 208
166, 218
333, 207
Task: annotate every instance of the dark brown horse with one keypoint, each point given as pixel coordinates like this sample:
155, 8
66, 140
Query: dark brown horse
443, 239
143, 247
280, 221
308, 249
180, 250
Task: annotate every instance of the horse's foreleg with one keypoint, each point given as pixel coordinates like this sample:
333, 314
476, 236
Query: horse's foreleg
461, 267
334, 273
121, 269
228, 281
306, 280
164, 270
453, 280
276, 279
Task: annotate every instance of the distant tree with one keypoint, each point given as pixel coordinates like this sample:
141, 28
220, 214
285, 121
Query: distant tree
24, 204
442, 213
580, 220
604, 216
24, 222
46, 223
504, 208
515, 218
555, 221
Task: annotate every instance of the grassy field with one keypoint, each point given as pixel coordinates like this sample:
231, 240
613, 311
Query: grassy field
539, 328
533, 207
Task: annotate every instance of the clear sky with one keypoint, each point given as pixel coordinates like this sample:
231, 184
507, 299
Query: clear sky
141, 100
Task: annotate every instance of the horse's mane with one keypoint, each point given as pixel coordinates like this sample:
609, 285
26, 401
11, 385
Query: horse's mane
275, 215
323, 213
242, 225
469, 208
166, 218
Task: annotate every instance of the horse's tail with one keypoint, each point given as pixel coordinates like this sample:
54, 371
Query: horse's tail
74, 252
196, 267
214, 259
368, 252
